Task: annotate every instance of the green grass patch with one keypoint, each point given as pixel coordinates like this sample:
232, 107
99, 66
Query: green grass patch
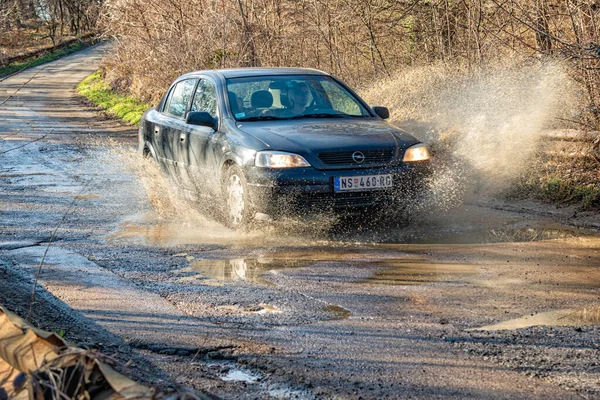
128, 109
35, 61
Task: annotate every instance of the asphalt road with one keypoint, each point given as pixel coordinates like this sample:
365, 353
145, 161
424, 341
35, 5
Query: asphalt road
448, 307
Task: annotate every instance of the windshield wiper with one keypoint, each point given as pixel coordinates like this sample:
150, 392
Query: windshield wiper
259, 118
320, 115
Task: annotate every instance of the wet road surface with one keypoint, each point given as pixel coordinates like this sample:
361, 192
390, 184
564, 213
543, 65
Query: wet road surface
486, 300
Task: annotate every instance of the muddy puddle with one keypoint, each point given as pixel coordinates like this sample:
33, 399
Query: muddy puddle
251, 269
232, 372
582, 317
385, 272
484, 236
417, 272
151, 230
336, 313
90, 196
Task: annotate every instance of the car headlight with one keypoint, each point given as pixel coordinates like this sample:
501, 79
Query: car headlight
279, 159
418, 152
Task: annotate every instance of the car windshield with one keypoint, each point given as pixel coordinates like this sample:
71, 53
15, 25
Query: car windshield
291, 97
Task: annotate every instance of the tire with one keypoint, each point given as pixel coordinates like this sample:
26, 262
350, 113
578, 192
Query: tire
237, 207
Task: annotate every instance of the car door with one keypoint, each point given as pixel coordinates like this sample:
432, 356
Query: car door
157, 128
197, 147
174, 127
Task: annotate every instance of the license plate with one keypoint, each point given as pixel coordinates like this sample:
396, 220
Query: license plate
359, 183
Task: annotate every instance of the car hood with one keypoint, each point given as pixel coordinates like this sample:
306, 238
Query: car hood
317, 135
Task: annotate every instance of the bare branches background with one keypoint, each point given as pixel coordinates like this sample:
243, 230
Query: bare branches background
357, 40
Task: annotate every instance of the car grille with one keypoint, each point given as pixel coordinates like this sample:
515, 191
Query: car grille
345, 157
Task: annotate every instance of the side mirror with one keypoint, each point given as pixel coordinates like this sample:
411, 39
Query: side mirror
382, 112
201, 118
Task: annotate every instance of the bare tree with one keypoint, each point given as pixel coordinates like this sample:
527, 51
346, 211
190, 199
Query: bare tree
355, 39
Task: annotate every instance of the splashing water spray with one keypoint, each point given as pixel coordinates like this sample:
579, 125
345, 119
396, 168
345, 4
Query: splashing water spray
484, 126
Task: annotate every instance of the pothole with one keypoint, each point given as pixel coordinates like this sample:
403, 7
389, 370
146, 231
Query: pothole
232, 372
241, 269
239, 376
336, 313
417, 272
86, 196
582, 317
387, 272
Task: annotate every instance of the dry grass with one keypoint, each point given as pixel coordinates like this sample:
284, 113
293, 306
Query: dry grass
561, 176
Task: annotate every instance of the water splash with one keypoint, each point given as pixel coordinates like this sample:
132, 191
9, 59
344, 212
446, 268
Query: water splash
483, 125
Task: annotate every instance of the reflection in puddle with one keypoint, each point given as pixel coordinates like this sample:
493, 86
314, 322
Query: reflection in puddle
416, 272
585, 316
252, 269
387, 272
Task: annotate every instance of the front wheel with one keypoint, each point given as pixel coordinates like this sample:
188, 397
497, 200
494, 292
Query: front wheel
237, 207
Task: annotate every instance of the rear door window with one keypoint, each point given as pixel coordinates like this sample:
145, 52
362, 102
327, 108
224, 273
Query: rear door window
180, 97
205, 98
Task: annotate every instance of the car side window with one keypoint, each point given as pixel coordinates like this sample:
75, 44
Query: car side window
340, 99
180, 97
205, 98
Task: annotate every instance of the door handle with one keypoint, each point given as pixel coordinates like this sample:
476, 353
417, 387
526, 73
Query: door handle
156, 130
182, 137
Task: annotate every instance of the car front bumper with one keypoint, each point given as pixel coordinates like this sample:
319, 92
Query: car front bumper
283, 191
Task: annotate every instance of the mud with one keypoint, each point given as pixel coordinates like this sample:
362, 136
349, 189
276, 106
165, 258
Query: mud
388, 272
417, 272
337, 312
584, 317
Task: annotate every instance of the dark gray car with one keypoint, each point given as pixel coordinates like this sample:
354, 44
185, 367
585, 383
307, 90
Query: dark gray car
281, 140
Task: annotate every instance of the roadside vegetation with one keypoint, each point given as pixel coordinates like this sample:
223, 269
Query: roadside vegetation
569, 177
360, 41
126, 108
50, 55
558, 191
27, 25
33, 32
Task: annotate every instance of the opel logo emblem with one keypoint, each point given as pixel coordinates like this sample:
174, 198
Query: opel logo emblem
358, 157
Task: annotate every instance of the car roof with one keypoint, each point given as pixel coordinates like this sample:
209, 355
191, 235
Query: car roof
246, 72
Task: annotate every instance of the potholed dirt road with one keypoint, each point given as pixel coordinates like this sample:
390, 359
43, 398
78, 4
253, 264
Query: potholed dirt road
290, 309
